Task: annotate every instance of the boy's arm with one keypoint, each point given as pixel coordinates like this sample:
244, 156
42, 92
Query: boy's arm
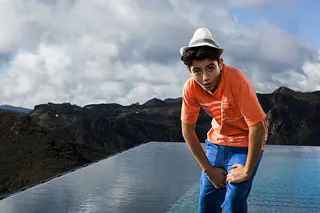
254, 115
189, 114
189, 135
256, 135
216, 175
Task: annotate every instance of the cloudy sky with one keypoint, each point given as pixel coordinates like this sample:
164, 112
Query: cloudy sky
127, 51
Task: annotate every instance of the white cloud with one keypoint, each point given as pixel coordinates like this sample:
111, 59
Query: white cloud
248, 3
257, 4
125, 52
309, 79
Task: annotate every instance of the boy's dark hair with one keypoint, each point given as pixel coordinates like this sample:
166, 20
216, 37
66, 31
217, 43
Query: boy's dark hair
200, 53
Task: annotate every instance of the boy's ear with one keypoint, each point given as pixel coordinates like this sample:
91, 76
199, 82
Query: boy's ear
221, 62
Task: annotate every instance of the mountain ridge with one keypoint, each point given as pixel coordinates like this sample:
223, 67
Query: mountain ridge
15, 108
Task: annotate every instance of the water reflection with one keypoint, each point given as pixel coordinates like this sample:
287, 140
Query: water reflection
164, 177
151, 176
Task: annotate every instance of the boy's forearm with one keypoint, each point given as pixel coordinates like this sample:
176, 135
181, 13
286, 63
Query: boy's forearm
197, 150
256, 135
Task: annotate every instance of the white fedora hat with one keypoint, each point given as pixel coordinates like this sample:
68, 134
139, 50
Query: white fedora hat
201, 37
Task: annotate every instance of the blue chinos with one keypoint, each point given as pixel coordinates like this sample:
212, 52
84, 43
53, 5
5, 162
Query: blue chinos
232, 198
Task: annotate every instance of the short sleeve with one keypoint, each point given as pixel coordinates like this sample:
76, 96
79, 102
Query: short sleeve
247, 101
190, 107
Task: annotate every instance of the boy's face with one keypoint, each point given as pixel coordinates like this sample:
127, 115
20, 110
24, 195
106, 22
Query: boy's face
206, 72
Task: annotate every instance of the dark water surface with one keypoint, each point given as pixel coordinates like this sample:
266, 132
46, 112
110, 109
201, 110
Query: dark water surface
164, 177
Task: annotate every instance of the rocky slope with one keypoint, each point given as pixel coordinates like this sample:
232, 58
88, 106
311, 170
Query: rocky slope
54, 138
293, 117
30, 153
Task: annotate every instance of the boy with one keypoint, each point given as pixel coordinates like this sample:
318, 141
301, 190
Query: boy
236, 140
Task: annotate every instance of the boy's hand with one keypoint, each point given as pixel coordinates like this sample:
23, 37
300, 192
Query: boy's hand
217, 176
238, 174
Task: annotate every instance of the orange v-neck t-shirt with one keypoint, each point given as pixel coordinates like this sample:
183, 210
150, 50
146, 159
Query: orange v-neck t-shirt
234, 106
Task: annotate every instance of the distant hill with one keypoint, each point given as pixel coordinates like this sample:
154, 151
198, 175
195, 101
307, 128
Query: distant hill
154, 103
172, 100
54, 138
15, 109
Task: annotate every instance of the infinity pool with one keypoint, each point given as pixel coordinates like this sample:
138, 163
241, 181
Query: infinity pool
164, 177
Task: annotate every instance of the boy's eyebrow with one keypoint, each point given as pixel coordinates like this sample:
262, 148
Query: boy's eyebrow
211, 64
196, 68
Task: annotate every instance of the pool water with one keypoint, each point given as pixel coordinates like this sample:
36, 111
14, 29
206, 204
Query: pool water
164, 177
